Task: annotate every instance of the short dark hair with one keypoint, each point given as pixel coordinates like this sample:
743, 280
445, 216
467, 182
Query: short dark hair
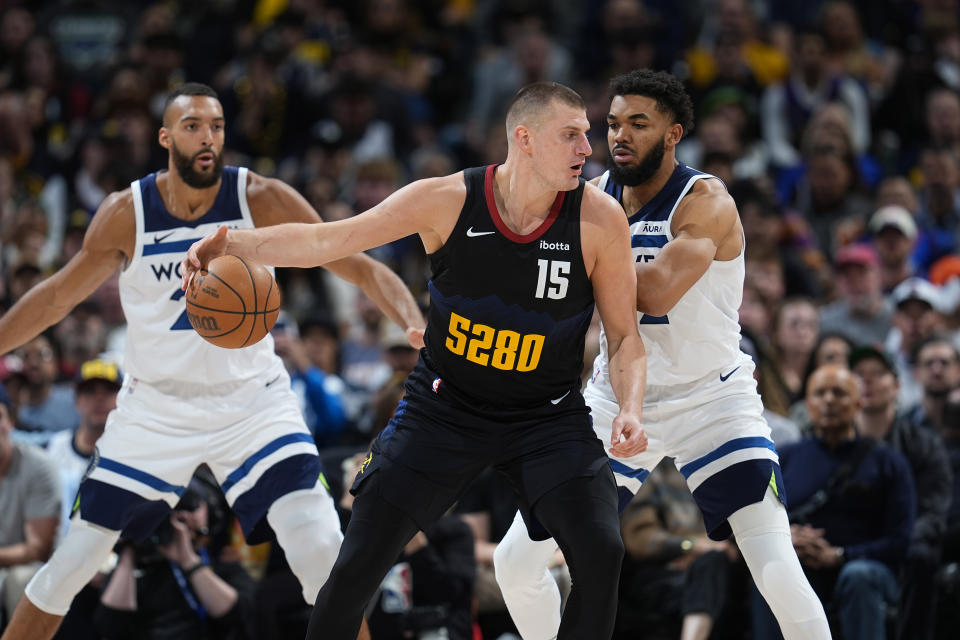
663, 87
533, 98
188, 89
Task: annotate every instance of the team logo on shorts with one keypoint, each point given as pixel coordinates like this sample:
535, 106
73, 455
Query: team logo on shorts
363, 465
436, 385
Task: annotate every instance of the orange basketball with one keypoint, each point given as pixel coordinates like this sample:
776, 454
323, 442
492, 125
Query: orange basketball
233, 303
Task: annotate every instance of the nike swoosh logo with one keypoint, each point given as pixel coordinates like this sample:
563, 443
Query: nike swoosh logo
723, 378
159, 239
473, 234
272, 381
560, 399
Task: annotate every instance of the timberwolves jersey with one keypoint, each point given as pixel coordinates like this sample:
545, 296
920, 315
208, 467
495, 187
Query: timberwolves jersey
701, 334
508, 313
160, 343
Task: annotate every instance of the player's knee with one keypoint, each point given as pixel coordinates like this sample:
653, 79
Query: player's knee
72, 565
308, 529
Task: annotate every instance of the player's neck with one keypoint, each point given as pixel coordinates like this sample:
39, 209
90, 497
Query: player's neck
182, 200
637, 196
523, 201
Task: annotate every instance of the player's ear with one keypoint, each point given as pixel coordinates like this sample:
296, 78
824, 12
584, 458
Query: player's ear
522, 136
163, 137
674, 134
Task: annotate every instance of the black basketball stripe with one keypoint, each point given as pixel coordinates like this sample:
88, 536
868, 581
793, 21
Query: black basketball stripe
253, 284
266, 329
239, 313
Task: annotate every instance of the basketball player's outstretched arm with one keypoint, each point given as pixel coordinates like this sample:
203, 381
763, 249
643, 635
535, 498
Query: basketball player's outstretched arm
274, 202
705, 225
107, 244
429, 207
609, 259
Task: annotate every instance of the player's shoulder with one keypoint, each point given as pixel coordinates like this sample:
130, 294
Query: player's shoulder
437, 194
710, 189
598, 206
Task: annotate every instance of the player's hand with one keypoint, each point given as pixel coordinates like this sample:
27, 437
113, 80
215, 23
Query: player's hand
628, 438
211, 246
415, 337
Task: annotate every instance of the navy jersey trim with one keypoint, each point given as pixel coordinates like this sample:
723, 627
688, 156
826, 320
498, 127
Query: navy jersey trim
498, 220
156, 216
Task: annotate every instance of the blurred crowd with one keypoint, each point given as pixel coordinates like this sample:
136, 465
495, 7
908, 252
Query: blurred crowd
835, 125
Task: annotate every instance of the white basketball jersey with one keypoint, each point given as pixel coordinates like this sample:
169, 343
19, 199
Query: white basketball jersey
160, 343
701, 334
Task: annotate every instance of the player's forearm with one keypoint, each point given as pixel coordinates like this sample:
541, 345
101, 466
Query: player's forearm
38, 309
628, 372
294, 244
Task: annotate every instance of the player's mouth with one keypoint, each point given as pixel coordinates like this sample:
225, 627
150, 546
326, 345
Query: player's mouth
206, 159
622, 155
577, 168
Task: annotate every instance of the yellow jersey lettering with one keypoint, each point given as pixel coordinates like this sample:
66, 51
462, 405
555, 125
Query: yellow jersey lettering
505, 343
530, 350
485, 335
505, 354
456, 324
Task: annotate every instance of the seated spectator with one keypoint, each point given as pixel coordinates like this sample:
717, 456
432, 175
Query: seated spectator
894, 237
937, 369
861, 313
924, 450
171, 587
30, 504
43, 406
675, 579
917, 306
851, 505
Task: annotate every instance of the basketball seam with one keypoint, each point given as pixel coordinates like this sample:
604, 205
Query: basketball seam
253, 285
265, 301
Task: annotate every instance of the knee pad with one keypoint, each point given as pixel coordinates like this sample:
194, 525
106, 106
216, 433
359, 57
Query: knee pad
308, 529
83, 551
519, 561
529, 589
763, 535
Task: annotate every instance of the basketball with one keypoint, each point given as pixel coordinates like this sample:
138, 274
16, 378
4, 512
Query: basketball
233, 303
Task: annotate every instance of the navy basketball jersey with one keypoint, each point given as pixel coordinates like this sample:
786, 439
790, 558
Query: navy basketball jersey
160, 342
508, 313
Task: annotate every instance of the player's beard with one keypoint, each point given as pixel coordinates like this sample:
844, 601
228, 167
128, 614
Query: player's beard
192, 177
632, 176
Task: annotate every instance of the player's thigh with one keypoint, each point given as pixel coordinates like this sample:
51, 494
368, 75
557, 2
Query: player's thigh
139, 469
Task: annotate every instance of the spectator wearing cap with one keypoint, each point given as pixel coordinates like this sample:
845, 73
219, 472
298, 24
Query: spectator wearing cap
98, 383
861, 313
937, 369
30, 508
851, 504
924, 450
917, 306
894, 237
917, 315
